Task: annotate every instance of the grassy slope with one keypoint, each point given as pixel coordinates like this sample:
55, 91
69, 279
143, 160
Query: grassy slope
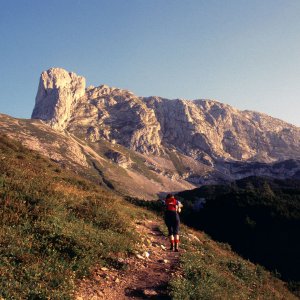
137, 160
57, 143
56, 225
212, 271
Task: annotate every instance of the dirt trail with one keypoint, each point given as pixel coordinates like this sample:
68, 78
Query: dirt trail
144, 278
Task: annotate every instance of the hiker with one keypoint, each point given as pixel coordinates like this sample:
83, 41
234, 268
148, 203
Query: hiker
173, 207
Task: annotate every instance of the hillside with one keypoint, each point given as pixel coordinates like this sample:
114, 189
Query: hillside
55, 225
259, 217
121, 169
60, 233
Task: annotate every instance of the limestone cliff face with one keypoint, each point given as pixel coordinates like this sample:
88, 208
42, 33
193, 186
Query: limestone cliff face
58, 92
117, 116
204, 130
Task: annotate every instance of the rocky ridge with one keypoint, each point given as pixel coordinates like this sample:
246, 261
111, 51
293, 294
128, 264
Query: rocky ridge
206, 130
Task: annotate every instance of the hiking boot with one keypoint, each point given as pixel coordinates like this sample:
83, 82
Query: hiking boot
172, 248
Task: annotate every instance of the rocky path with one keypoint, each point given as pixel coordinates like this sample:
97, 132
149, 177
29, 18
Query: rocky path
147, 273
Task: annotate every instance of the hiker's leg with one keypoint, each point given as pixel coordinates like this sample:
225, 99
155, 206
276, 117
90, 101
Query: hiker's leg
172, 241
171, 237
169, 223
176, 242
176, 234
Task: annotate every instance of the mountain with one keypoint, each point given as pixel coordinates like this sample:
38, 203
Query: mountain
147, 146
206, 130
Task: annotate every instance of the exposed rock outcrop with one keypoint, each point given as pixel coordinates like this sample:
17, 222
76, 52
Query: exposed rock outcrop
117, 116
57, 95
208, 130
118, 158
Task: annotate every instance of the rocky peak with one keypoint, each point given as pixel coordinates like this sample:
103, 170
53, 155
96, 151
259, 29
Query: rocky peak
205, 130
57, 94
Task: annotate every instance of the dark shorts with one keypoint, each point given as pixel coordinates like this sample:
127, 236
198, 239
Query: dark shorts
172, 221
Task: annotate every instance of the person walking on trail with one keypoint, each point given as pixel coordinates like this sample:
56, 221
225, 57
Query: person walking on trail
172, 220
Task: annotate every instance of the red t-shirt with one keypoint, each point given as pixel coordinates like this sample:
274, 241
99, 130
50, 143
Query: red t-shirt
171, 203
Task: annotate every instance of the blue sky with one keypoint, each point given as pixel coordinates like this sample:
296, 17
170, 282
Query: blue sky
240, 52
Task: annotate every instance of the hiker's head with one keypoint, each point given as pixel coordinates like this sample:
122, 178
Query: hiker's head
169, 196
